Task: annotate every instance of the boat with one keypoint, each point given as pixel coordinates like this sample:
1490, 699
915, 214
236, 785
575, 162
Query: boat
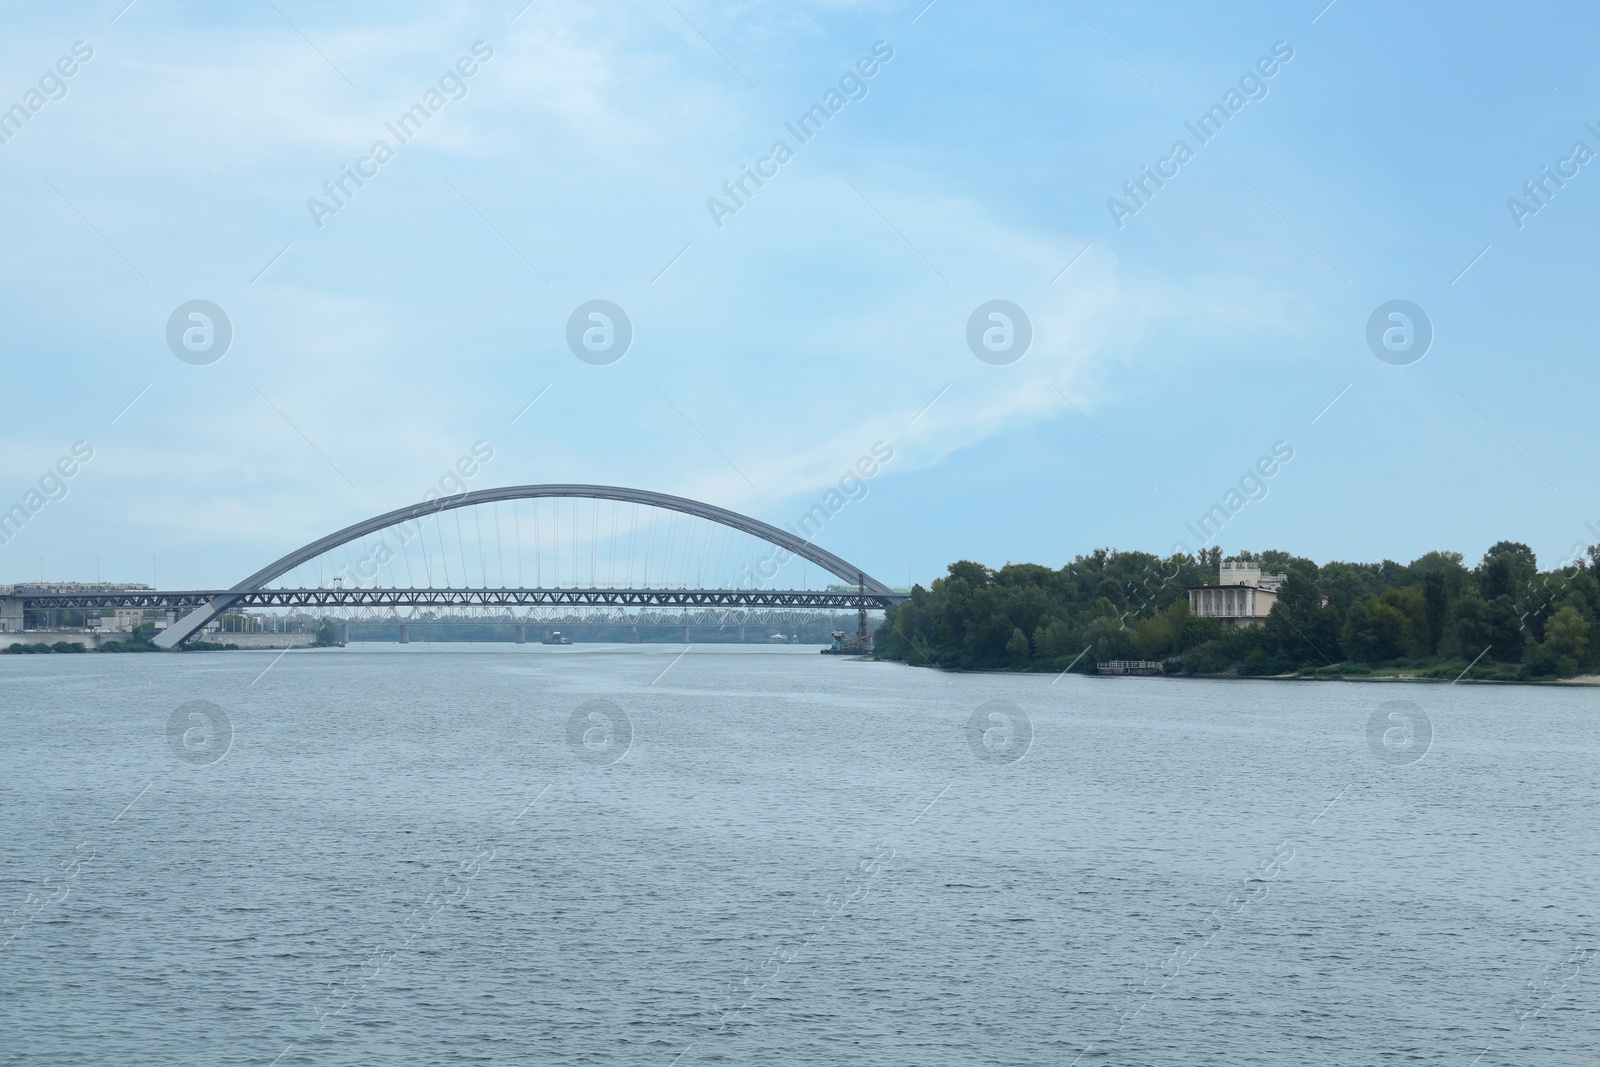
846, 645
555, 637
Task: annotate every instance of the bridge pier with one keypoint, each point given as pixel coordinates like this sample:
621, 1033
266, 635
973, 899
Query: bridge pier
11, 614
522, 633
633, 633
741, 631
686, 633
344, 634
405, 633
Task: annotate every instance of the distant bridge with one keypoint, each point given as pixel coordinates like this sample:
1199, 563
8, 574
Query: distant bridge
401, 535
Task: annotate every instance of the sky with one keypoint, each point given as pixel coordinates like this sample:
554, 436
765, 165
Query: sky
1178, 334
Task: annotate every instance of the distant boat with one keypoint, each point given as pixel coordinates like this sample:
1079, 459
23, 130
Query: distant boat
845, 645
554, 637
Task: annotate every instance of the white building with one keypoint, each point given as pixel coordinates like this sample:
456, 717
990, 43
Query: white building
1243, 596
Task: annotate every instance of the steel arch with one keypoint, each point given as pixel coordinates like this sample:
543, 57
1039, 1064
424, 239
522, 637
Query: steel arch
840, 568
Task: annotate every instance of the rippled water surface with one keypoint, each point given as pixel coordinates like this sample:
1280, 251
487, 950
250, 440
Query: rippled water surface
607, 855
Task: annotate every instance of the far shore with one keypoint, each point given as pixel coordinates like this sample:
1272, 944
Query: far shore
1233, 676
1582, 679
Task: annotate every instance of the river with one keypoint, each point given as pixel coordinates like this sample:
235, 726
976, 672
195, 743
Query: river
646, 855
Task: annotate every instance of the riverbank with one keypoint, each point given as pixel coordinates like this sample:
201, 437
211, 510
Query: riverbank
39, 642
1264, 615
1399, 675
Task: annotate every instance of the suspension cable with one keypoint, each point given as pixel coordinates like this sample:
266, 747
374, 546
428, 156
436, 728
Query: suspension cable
444, 555
499, 553
516, 522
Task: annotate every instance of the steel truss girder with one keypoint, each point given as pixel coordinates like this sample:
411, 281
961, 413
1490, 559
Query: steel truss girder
414, 598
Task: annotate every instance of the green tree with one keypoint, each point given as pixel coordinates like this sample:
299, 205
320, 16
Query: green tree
1157, 636
1506, 570
1506, 635
1409, 601
1436, 601
1058, 642
1490, 629
1449, 564
1196, 632
1469, 626
1111, 590
1567, 634
1017, 647
1108, 639
1543, 661
1274, 560
1495, 577
1346, 584
1375, 632
1298, 628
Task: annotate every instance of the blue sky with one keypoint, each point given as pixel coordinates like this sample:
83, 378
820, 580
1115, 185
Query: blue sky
771, 352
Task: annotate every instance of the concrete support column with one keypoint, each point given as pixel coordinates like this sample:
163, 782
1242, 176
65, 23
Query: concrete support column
633, 633
344, 633
11, 614
522, 633
741, 631
686, 633
405, 633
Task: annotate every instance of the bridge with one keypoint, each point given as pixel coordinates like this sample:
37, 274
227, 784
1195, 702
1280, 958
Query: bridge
656, 550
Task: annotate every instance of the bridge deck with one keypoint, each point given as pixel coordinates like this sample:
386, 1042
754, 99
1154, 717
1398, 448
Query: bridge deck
369, 598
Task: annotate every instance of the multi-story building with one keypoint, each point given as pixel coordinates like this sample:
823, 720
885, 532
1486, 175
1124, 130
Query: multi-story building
1243, 596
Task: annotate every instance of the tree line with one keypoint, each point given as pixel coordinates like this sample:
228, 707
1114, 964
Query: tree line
1434, 616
